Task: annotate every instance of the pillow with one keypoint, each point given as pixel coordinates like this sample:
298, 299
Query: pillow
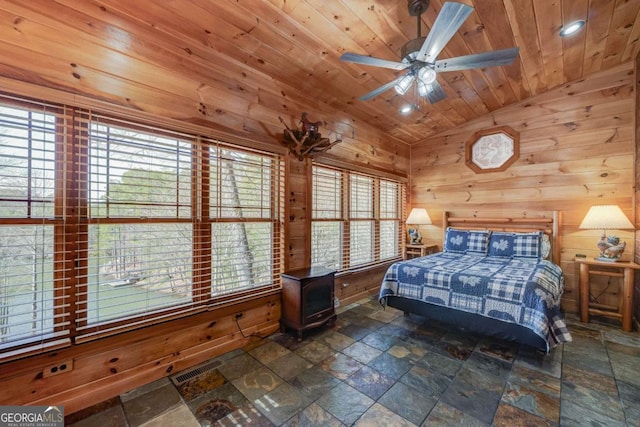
545, 247
501, 244
515, 245
455, 241
527, 245
478, 242
473, 242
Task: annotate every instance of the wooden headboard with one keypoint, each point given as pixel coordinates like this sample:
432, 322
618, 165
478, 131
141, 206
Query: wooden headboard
548, 225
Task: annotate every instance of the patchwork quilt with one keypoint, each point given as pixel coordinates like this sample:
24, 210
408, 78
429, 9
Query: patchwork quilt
525, 291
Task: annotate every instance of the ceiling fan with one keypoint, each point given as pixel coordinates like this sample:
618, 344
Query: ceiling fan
419, 56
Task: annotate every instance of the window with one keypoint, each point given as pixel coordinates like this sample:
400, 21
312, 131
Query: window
241, 213
28, 154
135, 267
355, 219
362, 221
327, 227
390, 230
108, 225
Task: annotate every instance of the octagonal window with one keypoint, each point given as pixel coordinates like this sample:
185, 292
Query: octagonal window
492, 150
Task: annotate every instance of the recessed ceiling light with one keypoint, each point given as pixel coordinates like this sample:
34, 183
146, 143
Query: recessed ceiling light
571, 28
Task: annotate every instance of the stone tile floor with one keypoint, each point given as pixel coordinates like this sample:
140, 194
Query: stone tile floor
378, 367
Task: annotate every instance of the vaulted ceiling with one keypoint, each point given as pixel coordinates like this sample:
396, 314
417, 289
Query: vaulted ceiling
262, 52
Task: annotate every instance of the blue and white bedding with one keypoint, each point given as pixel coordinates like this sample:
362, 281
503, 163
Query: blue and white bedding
523, 290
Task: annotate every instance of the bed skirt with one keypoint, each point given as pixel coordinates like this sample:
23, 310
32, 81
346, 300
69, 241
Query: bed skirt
469, 321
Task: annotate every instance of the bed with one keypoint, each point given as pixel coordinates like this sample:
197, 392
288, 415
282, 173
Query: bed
495, 276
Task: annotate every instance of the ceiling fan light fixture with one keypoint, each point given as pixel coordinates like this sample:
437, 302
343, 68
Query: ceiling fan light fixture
406, 109
572, 28
419, 56
427, 75
404, 83
423, 89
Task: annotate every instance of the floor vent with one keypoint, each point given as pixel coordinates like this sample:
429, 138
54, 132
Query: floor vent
194, 372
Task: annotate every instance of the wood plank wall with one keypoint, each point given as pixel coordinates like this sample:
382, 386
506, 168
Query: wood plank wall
297, 198
104, 368
576, 150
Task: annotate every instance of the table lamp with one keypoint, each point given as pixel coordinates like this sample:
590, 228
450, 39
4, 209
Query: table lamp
418, 216
607, 217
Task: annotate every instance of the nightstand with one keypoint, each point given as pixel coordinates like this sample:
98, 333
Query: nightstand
623, 270
414, 251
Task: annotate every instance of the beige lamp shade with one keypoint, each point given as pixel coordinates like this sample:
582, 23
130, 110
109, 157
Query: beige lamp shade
606, 217
418, 216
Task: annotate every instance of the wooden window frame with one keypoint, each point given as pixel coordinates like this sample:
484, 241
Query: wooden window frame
480, 137
71, 223
346, 219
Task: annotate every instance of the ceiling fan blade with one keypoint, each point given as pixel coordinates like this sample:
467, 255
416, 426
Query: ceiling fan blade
381, 89
435, 92
449, 20
376, 62
478, 60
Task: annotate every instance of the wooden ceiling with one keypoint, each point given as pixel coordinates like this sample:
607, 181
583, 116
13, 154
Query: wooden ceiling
264, 58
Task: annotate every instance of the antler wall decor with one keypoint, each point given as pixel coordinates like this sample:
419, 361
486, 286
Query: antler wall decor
307, 140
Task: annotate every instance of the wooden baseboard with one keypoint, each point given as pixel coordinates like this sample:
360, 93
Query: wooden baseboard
357, 297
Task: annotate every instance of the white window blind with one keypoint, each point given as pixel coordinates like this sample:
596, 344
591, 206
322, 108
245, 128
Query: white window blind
139, 240
32, 294
242, 256
362, 221
138, 173
327, 224
390, 229
245, 213
355, 218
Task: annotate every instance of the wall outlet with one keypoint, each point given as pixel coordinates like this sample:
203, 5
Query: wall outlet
58, 369
336, 302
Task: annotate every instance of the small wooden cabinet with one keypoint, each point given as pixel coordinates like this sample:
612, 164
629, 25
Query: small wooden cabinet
622, 270
307, 299
414, 251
